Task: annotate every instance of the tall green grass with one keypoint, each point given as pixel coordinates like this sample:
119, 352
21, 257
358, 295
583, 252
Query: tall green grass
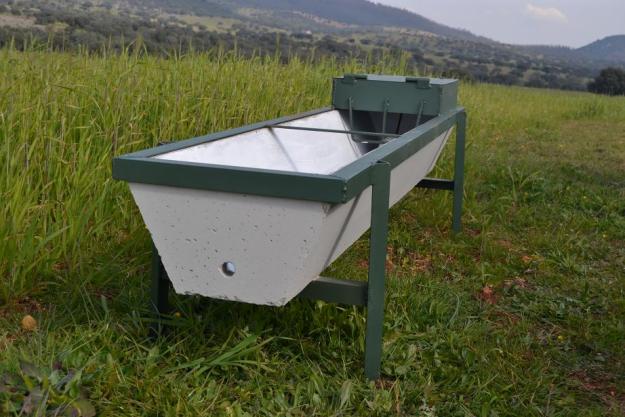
62, 118
544, 217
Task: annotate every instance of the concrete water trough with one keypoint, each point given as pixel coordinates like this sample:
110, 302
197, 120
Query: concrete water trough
255, 214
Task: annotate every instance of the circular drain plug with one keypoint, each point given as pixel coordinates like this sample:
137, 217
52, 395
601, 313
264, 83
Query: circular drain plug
228, 268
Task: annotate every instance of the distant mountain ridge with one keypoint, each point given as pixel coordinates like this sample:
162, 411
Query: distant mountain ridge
362, 13
344, 29
607, 50
611, 48
350, 12
365, 13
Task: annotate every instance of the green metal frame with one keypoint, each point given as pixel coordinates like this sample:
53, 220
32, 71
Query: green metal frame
373, 170
432, 98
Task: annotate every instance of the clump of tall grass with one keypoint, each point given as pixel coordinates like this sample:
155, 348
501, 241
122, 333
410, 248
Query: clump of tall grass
64, 116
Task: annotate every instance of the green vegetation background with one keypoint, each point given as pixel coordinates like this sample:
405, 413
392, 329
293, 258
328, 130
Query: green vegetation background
521, 315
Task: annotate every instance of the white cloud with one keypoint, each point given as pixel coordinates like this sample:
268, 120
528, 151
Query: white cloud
545, 13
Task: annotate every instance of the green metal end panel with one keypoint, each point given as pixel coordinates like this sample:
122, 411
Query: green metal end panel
395, 94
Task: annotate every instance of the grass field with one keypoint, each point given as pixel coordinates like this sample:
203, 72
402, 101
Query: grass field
521, 315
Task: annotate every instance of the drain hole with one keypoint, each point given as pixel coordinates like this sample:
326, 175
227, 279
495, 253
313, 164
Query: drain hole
228, 269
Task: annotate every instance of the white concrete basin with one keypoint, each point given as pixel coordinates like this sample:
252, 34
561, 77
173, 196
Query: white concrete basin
275, 246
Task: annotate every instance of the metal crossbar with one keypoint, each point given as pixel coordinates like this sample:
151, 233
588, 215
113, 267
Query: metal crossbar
349, 132
341, 291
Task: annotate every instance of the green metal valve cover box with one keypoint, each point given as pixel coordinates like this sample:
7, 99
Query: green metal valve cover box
427, 97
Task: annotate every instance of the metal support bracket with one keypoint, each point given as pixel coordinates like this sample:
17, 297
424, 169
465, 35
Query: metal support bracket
381, 185
461, 133
340, 291
350, 103
436, 184
160, 292
372, 293
387, 104
457, 184
420, 113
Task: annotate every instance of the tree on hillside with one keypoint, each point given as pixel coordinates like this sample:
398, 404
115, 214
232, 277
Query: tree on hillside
610, 81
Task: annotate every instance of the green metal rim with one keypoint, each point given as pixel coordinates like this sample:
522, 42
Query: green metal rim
340, 187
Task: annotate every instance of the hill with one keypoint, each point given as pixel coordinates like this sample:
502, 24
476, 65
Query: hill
611, 48
603, 52
333, 14
349, 15
345, 29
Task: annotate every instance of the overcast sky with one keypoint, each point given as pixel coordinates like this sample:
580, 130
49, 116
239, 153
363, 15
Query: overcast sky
557, 22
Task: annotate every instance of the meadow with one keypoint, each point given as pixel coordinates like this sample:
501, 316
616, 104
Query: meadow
520, 315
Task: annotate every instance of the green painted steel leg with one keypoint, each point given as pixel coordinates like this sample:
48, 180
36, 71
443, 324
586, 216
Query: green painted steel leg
160, 292
381, 177
459, 172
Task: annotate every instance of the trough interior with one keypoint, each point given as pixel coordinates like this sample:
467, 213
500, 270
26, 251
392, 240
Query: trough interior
298, 150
